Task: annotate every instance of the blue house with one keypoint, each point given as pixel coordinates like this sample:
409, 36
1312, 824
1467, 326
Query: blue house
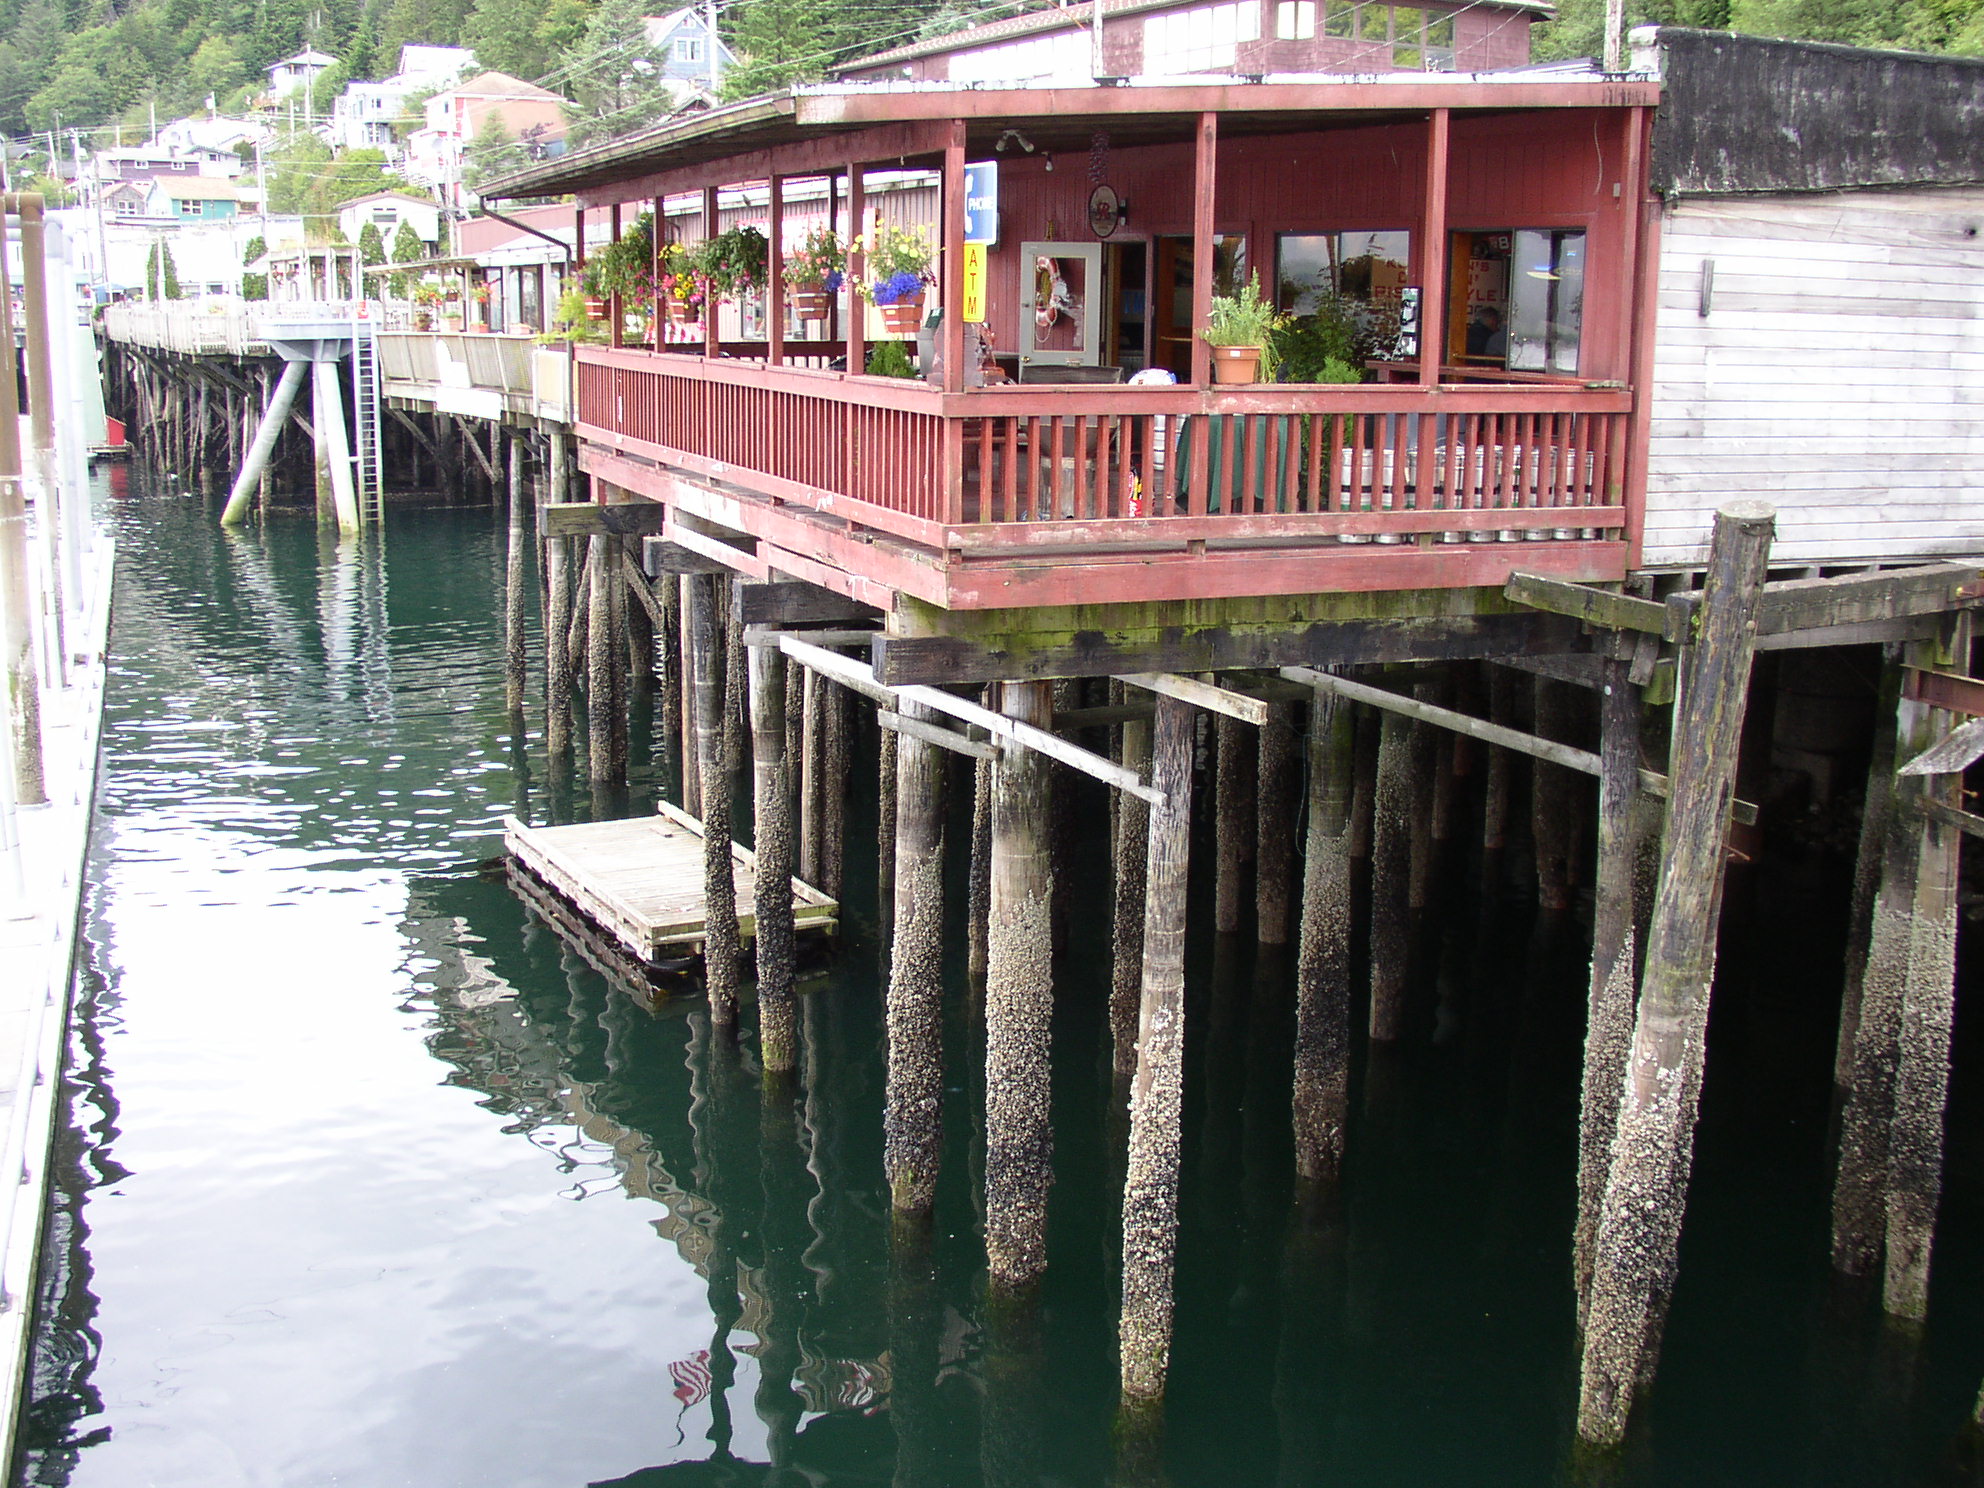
686, 49
194, 198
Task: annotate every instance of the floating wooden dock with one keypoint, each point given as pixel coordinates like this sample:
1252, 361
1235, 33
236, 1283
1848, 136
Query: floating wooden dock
641, 880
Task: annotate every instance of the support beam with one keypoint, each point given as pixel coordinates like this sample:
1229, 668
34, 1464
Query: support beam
1391, 848
557, 651
1019, 1002
1131, 852
1321, 1094
1221, 700
332, 446
720, 935
1150, 1185
266, 434
1652, 1152
587, 518
515, 640
930, 733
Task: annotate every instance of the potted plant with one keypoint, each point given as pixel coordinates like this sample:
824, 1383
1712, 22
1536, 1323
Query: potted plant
679, 288
895, 273
733, 263
1241, 333
426, 299
624, 267
572, 321
480, 294
814, 273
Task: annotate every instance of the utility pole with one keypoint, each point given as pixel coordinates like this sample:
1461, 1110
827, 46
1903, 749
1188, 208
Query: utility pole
1615, 35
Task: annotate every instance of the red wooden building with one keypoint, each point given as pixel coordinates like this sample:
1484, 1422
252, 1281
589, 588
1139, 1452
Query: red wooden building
1524, 191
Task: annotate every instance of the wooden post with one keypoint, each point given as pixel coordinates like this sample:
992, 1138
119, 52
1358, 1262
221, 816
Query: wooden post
815, 688
1274, 825
978, 882
514, 587
1391, 865
1433, 250
1876, 805
772, 818
887, 771
1609, 1020
1150, 1184
720, 938
1552, 804
1019, 1003
1205, 167
1495, 789
835, 712
600, 565
1646, 1187
912, 1127
557, 656
1132, 854
692, 778
1423, 762
1322, 962
1233, 800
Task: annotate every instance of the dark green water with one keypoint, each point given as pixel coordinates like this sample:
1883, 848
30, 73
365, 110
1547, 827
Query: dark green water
370, 1182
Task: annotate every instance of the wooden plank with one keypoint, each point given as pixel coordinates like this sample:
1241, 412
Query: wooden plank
1202, 695
790, 602
845, 670
1966, 822
943, 738
1792, 605
585, 518
732, 560
1583, 602
1961, 748
1028, 737
661, 556
901, 660
1945, 690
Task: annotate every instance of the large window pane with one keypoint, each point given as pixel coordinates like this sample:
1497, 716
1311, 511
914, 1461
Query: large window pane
1546, 300
1366, 268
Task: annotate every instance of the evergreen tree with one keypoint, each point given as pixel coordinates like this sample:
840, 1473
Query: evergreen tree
254, 286
161, 274
616, 85
503, 35
778, 43
492, 153
407, 248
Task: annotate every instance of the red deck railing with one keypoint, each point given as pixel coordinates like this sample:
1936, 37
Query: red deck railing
1038, 466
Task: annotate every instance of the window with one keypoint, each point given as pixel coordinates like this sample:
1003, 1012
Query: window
688, 49
192, 209
1364, 270
1295, 20
1340, 18
1546, 300
1202, 40
124, 206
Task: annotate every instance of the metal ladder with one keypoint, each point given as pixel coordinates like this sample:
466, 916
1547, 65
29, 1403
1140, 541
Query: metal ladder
367, 440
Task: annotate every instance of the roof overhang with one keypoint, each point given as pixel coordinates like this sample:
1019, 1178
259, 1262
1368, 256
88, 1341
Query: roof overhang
806, 129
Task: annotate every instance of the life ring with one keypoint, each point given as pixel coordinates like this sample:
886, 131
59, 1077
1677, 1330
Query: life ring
1050, 293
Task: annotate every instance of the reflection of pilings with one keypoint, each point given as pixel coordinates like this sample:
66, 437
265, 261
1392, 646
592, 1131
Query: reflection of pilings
1009, 1442
916, 1322
782, 1175
1132, 852
1275, 825
720, 934
1391, 852
1150, 1188
709, 1056
772, 817
1321, 1098
1646, 1188
1019, 1003
913, 1119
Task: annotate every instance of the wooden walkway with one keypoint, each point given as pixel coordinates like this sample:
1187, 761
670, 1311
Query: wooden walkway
641, 880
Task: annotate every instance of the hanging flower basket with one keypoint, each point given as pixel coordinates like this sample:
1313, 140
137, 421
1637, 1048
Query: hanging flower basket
681, 312
595, 309
811, 302
903, 317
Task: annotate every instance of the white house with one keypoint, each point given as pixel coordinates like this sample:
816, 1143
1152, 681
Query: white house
362, 115
292, 73
386, 210
457, 116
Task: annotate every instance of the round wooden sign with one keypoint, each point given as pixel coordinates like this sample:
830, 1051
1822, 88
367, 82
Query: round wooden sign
1105, 211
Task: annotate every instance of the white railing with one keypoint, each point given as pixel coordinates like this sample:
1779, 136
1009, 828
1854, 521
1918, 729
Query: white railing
531, 378
194, 327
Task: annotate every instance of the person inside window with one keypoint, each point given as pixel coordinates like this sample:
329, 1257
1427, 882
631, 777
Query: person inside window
1487, 338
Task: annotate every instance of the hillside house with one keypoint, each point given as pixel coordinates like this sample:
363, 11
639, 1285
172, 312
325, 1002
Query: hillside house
294, 73
457, 116
386, 210
363, 115
687, 53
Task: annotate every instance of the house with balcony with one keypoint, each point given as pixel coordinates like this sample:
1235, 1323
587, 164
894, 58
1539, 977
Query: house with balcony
294, 73
688, 54
386, 210
363, 115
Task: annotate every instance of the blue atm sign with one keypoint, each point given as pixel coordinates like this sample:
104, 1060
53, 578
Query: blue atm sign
981, 202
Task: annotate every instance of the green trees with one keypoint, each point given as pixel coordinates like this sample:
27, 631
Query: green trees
407, 248
254, 286
505, 35
493, 152
161, 274
616, 86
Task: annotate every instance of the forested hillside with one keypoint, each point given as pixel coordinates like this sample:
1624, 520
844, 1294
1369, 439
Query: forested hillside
86, 64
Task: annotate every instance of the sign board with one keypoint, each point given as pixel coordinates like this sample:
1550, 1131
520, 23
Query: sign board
981, 202
972, 304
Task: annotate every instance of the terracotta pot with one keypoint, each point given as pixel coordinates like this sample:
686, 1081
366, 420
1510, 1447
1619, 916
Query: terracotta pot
1234, 364
451, 323
904, 317
811, 302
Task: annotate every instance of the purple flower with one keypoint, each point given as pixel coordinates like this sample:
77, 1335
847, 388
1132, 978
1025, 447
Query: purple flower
833, 281
898, 287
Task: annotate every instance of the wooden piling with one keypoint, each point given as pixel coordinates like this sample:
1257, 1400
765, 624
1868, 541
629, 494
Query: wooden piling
886, 773
1321, 1096
810, 764
1132, 856
1150, 1185
1391, 872
1233, 818
1423, 757
772, 896
912, 1129
978, 880
557, 657
692, 784
1652, 1150
515, 587
720, 934
1609, 1018
1876, 805
836, 711
599, 657
1274, 825
1552, 802
1019, 1003
1501, 764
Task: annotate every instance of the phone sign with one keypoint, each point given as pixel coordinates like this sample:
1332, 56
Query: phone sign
981, 202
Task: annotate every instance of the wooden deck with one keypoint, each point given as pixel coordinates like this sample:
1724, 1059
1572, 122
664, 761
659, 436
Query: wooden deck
641, 880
